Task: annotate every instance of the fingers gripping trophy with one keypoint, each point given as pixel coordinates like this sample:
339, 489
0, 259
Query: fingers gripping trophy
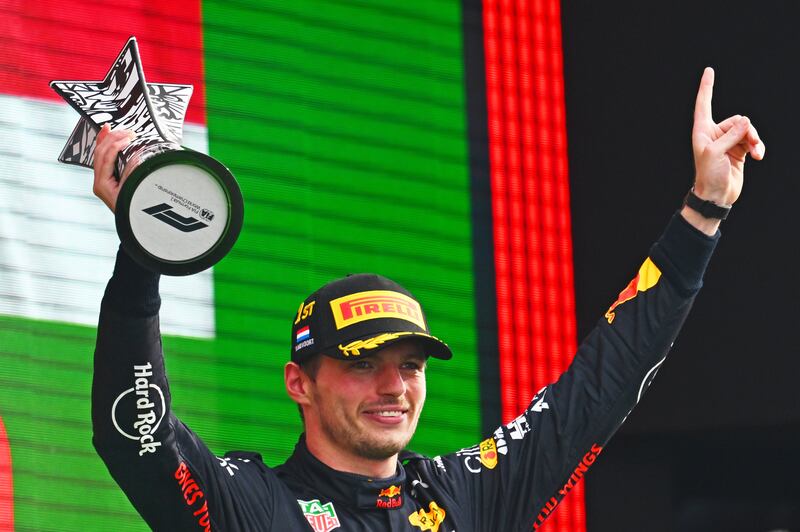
178, 211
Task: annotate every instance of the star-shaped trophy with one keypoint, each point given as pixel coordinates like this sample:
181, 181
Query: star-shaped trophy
179, 211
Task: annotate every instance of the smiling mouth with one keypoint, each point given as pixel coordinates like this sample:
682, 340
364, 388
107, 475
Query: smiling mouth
387, 414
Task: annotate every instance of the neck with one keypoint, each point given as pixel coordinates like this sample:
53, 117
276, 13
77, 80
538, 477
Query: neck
347, 462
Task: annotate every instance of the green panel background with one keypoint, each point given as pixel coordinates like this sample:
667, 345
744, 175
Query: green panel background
345, 125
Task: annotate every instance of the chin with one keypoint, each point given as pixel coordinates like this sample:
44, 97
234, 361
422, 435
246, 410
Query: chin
378, 453
381, 449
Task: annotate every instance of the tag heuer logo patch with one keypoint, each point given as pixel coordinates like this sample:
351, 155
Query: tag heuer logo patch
321, 517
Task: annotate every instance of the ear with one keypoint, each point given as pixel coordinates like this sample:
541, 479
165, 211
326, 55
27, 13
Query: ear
298, 384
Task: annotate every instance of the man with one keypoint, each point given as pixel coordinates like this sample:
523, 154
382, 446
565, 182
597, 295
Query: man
357, 371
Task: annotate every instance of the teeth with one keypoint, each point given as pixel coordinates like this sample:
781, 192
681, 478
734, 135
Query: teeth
389, 413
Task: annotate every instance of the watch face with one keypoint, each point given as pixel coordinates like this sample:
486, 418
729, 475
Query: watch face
179, 212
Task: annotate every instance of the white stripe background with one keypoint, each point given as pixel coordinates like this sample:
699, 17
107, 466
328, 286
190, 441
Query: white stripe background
58, 241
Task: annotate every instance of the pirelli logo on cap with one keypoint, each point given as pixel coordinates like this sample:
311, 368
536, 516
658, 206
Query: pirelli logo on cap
374, 304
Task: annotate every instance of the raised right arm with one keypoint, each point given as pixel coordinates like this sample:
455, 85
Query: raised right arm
170, 476
163, 468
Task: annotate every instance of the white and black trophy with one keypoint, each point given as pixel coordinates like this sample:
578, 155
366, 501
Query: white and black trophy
179, 211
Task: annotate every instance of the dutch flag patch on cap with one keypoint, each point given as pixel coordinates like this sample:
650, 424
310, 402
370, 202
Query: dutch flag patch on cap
303, 333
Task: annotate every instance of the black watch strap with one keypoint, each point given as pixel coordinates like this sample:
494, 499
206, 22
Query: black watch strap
708, 209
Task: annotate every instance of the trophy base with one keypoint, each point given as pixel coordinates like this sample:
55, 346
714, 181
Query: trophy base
179, 212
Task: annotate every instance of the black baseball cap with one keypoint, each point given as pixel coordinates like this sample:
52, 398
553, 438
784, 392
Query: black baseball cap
356, 316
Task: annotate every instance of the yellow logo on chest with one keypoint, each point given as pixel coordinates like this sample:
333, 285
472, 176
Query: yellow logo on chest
428, 520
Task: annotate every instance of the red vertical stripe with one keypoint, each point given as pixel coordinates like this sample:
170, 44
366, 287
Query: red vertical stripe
6, 483
530, 208
44, 40
499, 193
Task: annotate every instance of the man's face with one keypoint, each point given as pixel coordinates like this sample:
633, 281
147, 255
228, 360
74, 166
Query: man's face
369, 407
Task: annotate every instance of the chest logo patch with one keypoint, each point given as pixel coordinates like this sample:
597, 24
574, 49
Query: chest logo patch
389, 498
321, 517
488, 453
428, 520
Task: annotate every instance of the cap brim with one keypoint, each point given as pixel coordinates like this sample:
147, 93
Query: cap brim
371, 344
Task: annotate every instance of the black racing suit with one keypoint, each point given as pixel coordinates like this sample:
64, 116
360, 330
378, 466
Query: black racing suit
510, 481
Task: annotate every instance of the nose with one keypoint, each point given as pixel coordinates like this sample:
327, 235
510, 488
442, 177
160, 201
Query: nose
391, 382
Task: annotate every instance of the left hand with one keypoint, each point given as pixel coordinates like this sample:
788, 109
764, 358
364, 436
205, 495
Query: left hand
720, 149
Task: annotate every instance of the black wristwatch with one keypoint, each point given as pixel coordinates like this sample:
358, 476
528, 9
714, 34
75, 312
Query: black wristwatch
708, 209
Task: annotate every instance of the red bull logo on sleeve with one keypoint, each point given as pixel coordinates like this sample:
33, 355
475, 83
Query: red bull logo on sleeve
647, 278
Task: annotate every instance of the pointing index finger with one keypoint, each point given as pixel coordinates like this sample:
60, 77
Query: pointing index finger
702, 107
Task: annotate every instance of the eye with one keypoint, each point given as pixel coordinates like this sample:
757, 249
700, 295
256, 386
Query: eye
361, 364
416, 365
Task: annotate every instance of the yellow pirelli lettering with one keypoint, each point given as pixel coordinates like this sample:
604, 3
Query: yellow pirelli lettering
374, 304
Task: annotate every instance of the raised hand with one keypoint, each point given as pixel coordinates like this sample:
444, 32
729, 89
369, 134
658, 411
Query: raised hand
720, 149
108, 145
719, 153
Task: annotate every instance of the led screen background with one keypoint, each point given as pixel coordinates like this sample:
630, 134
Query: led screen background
345, 126
721, 424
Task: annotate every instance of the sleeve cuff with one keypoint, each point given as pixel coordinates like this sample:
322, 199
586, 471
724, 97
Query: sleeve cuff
132, 290
683, 253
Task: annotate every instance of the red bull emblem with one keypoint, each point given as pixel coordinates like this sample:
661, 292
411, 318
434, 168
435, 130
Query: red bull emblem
647, 278
392, 493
